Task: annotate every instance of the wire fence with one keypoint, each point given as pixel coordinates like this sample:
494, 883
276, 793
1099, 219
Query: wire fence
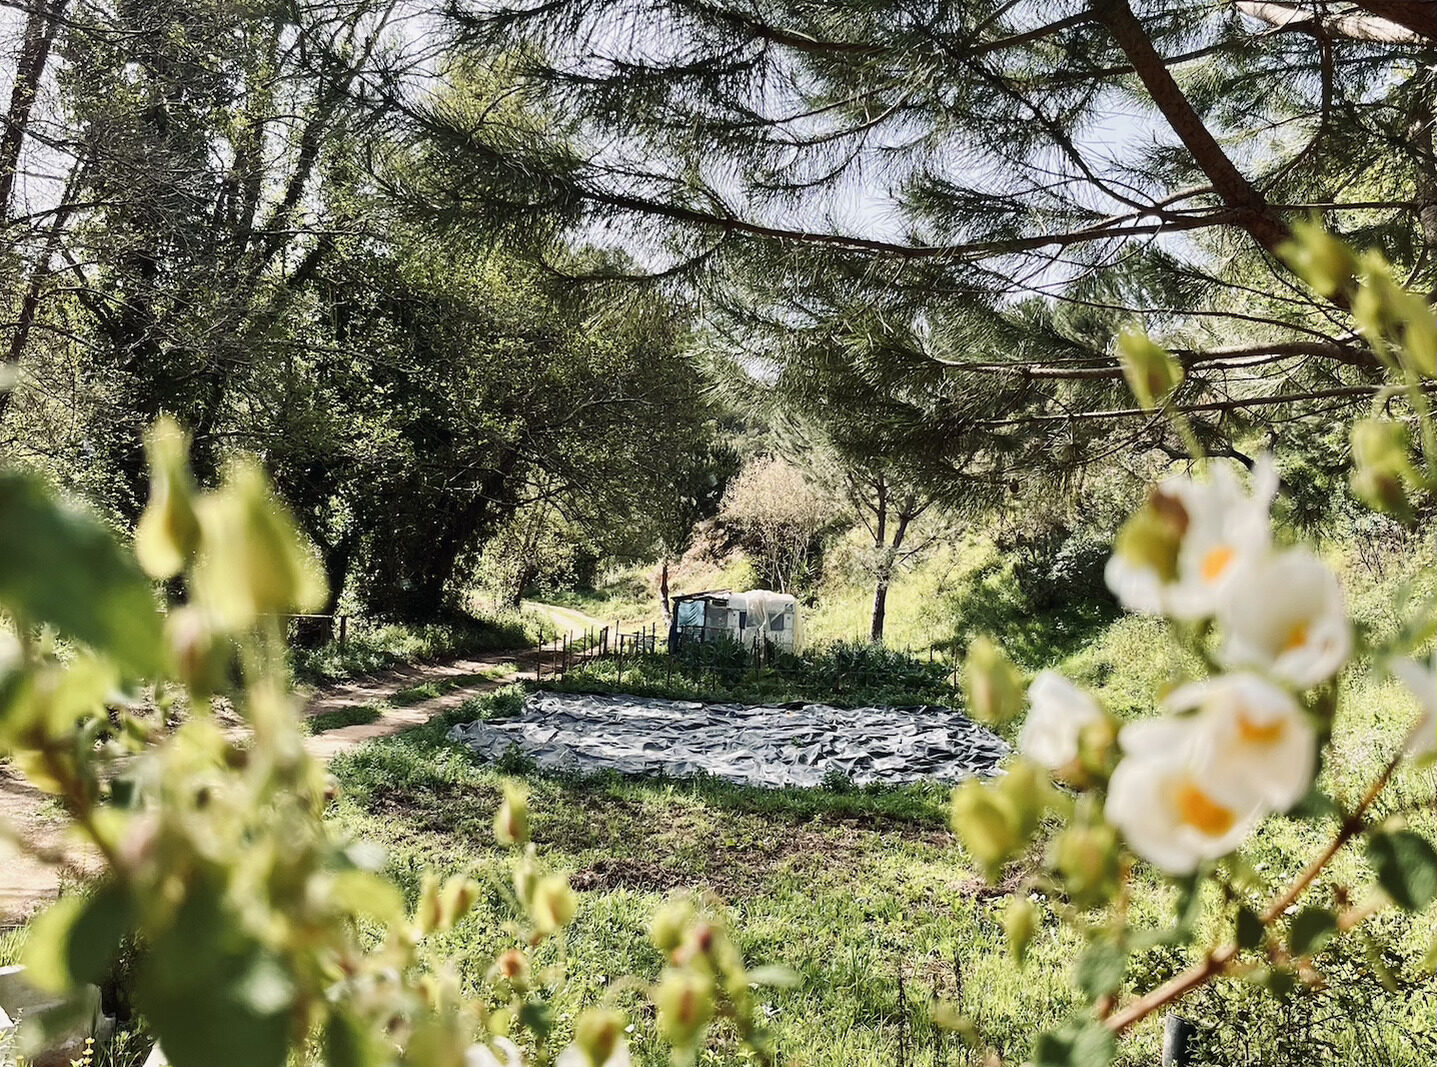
712, 664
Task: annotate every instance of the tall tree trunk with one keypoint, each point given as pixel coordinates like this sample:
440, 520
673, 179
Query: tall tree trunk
885, 562
35, 290
41, 24
337, 561
880, 609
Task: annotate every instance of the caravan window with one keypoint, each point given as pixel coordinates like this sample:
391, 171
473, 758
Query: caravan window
775, 623
691, 613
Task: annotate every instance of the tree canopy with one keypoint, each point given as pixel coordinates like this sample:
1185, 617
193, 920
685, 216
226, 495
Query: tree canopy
935, 217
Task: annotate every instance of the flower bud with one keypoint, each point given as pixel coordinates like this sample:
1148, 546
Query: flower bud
685, 1000
526, 877
456, 898
1327, 263
1392, 317
428, 912
254, 561
1020, 920
986, 824
1382, 465
1153, 535
669, 925
1086, 859
513, 967
511, 822
597, 1034
993, 686
200, 659
168, 531
1151, 371
697, 945
1097, 745
554, 904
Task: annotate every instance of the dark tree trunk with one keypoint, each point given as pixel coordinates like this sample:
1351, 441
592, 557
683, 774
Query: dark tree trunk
880, 546
40, 27
880, 610
337, 561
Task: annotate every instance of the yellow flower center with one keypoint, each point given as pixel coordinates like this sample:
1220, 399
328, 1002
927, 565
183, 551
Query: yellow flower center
1216, 561
1259, 733
1200, 811
1296, 637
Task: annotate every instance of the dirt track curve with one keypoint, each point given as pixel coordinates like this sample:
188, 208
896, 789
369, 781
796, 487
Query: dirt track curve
32, 876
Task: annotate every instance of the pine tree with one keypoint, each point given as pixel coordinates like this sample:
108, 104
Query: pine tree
933, 217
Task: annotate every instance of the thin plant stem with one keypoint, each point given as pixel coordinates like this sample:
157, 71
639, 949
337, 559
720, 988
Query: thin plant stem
1219, 959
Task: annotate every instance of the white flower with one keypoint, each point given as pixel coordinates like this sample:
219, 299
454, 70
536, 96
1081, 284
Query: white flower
1055, 721
1219, 531
1176, 808
1255, 731
1228, 531
1288, 618
483, 1055
1137, 586
1422, 681
574, 1056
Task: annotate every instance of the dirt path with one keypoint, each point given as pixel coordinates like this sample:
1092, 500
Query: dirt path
28, 883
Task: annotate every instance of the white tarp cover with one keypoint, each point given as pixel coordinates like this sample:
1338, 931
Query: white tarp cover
791, 744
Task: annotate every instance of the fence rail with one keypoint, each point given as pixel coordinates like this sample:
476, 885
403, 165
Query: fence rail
718, 661
311, 629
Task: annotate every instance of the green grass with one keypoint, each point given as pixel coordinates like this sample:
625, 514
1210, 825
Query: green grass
846, 887
842, 674
373, 646
851, 886
341, 717
417, 694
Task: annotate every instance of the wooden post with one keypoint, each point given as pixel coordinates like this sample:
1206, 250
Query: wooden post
343, 630
619, 676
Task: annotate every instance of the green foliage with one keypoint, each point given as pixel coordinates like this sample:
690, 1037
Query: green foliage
373, 646
1406, 867
60, 567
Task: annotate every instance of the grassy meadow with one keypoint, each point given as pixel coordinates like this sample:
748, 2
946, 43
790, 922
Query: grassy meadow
865, 893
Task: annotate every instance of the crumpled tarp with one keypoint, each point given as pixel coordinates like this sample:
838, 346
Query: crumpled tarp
790, 744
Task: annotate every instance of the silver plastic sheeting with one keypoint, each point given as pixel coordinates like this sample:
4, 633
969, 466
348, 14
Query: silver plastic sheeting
790, 744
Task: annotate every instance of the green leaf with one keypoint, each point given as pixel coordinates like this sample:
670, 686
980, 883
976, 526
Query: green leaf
61, 567
1100, 970
537, 1017
349, 1043
1311, 928
365, 894
1281, 981
76, 939
46, 945
95, 937
1317, 805
1250, 930
1079, 1043
1406, 867
213, 996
